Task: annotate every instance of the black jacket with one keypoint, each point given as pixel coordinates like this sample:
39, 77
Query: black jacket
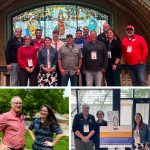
79, 122
102, 58
12, 50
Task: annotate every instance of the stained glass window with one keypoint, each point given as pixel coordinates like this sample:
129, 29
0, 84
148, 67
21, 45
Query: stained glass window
65, 18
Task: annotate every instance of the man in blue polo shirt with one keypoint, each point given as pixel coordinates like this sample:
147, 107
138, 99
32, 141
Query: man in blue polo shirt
80, 41
84, 129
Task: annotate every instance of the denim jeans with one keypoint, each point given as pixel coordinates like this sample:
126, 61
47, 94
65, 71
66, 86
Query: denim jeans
137, 74
14, 81
93, 77
65, 79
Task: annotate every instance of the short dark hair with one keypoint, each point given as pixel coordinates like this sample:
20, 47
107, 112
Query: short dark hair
55, 31
47, 38
78, 30
69, 36
38, 30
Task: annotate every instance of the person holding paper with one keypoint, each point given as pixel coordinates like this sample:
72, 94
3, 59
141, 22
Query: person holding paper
135, 52
99, 122
27, 59
47, 59
84, 129
141, 133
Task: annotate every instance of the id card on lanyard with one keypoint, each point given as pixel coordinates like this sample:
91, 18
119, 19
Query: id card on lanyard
30, 62
86, 128
109, 51
129, 48
93, 52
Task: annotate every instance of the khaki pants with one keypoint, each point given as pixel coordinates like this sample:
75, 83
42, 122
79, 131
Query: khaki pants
80, 145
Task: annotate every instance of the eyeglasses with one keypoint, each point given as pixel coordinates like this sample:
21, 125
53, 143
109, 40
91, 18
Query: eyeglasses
17, 103
27, 39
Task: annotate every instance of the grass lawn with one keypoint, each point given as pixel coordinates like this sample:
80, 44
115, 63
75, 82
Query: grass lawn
63, 144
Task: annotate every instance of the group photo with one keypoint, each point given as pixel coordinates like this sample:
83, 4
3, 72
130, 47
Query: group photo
74, 75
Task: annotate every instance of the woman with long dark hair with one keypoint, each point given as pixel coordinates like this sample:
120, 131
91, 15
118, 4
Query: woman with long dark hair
141, 133
44, 128
114, 51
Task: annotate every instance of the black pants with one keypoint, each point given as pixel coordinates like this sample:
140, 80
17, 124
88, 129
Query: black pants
58, 76
24, 76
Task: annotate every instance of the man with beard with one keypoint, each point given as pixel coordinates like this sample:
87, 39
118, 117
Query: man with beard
135, 52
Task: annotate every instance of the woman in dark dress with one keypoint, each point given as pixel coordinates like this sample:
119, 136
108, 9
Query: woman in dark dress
99, 122
44, 128
114, 55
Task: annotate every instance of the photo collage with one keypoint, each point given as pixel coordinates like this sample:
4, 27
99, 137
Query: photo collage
75, 75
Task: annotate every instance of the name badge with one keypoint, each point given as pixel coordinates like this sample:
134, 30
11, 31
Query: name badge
30, 63
86, 128
109, 54
93, 55
129, 49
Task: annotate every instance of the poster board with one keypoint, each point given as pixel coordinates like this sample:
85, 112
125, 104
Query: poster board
115, 137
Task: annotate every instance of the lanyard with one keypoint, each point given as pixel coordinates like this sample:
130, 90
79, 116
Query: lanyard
109, 46
94, 47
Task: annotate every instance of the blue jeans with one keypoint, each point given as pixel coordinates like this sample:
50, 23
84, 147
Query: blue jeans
14, 81
137, 74
93, 77
65, 79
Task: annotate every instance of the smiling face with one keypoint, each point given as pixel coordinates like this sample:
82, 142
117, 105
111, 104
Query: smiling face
110, 34
38, 34
48, 42
78, 34
27, 40
130, 32
85, 31
16, 104
44, 112
100, 115
138, 118
93, 36
106, 27
85, 110
18, 33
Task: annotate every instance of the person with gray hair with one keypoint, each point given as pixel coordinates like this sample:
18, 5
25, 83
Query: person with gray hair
11, 56
84, 129
12, 126
99, 122
27, 59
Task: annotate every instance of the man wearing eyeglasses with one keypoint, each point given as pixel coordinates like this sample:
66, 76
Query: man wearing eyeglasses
13, 127
84, 129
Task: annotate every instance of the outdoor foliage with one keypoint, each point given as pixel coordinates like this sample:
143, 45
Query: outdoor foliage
34, 98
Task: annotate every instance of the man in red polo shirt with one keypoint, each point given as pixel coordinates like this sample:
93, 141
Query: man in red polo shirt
135, 52
38, 41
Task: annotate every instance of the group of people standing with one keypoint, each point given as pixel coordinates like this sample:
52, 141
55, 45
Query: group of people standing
87, 130
12, 125
86, 60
